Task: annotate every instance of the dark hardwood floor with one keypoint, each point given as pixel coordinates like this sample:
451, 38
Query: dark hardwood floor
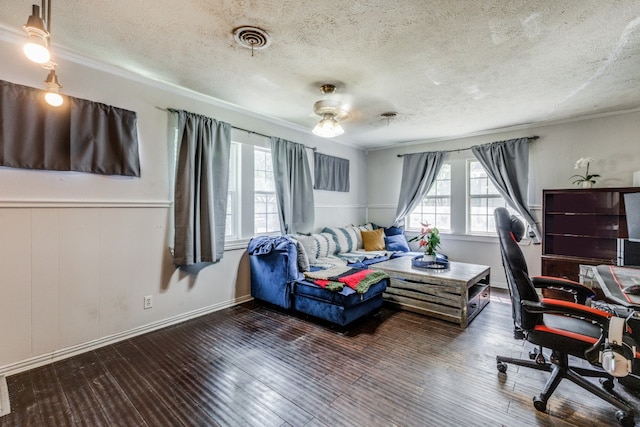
252, 365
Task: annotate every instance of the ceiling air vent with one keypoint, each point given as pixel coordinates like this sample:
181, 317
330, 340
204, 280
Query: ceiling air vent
252, 38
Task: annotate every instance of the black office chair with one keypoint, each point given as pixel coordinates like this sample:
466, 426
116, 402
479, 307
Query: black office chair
567, 328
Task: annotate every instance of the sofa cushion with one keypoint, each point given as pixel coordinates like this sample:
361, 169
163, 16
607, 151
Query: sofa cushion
325, 245
373, 240
359, 229
309, 244
393, 231
346, 238
303, 258
346, 297
397, 243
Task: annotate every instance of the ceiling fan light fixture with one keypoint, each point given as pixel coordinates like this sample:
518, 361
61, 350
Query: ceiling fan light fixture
332, 113
328, 127
37, 48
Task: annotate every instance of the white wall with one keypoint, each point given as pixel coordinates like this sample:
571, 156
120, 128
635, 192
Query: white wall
80, 251
614, 141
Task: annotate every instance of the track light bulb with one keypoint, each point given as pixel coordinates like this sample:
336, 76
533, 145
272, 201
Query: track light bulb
36, 52
53, 97
36, 49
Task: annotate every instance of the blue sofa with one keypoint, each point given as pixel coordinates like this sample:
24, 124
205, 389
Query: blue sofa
277, 279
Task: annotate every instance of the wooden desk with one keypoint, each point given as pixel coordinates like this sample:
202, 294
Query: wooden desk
457, 294
613, 279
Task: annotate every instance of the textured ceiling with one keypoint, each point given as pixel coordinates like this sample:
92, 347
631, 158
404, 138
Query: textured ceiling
447, 67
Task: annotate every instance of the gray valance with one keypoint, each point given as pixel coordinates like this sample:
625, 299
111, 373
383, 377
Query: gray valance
330, 173
80, 135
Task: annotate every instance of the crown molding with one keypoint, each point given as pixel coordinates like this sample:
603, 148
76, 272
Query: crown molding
525, 126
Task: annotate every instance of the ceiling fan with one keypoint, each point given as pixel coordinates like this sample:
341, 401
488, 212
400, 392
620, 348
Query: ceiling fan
332, 113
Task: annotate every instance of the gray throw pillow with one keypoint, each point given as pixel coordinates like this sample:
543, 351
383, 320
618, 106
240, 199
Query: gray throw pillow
309, 244
303, 258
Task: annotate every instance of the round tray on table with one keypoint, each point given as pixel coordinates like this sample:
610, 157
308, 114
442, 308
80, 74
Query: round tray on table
437, 264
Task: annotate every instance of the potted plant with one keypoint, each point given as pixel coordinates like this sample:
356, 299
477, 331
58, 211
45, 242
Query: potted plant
587, 180
429, 238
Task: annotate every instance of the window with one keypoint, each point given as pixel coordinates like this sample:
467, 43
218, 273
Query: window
435, 208
461, 201
483, 199
265, 212
251, 203
231, 224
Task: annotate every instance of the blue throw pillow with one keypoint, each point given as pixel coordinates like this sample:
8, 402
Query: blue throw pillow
393, 231
397, 243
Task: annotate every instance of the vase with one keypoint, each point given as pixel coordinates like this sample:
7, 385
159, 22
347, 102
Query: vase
428, 258
587, 184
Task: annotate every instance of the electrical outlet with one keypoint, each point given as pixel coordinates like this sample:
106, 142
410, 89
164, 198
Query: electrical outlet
148, 302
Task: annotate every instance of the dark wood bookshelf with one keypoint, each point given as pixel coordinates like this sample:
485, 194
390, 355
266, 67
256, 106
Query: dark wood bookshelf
582, 227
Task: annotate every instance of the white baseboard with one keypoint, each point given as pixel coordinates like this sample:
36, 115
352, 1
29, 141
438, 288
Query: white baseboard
65, 353
5, 407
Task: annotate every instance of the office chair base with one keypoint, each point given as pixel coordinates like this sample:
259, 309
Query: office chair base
560, 369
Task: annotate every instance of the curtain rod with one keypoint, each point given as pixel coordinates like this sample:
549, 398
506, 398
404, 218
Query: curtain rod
531, 138
249, 131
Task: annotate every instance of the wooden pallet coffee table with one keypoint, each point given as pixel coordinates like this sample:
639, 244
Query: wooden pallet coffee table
457, 294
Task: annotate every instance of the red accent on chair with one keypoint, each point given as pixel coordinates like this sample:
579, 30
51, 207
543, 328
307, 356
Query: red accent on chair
564, 327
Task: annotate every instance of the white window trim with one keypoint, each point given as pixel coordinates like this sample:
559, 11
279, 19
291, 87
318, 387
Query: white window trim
449, 197
245, 191
460, 206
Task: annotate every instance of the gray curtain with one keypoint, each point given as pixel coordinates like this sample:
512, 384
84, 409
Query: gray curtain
419, 172
294, 189
201, 186
80, 135
507, 165
330, 173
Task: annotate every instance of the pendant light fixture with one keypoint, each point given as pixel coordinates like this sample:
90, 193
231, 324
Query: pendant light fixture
37, 49
53, 96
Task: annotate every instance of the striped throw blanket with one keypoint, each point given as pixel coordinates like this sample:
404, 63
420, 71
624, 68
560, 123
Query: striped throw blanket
335, 278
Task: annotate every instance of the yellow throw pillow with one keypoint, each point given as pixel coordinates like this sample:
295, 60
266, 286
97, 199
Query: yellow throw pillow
373, 240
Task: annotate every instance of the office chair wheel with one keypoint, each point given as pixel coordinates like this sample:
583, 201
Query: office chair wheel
502, 367
539, 404
625, 420
607, 383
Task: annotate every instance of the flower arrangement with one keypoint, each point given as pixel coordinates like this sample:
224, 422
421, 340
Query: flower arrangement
587, 179
429, 238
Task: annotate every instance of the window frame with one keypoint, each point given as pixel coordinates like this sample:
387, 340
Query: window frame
412, 227
264, 193
232, 219
245, 195
494, 196
460, 205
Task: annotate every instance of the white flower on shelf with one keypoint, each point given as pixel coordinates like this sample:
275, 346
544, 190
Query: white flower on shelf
583, 162
587, 180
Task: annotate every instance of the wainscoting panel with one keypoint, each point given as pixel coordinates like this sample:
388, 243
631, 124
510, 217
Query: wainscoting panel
15, 286
79, 275
75, 275
45, 283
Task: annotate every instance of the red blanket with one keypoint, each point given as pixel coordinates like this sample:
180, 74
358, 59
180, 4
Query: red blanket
360, 280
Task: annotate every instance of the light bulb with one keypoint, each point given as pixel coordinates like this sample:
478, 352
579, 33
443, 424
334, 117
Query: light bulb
328, 127
54, 99
36, 52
